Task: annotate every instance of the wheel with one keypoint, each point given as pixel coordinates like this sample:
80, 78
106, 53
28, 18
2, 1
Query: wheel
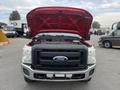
87, 80
107, 44
28, 80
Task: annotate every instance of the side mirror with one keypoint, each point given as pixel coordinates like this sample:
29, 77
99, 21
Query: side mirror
113, 34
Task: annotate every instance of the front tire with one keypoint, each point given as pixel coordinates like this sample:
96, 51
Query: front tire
107, 44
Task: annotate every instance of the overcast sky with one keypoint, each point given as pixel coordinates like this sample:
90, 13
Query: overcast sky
104, 11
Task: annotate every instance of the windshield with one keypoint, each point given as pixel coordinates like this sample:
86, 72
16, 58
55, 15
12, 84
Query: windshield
110, 33
9, 28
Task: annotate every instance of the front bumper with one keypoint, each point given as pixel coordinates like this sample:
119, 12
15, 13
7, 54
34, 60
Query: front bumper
51, 75
10, 34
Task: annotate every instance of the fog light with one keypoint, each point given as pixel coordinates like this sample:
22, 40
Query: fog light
26, 71
78, 76
39, 76
91, 72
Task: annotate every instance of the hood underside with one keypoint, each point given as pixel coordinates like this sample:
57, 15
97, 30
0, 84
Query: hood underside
59, 19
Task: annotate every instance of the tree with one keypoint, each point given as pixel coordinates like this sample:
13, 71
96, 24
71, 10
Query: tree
96, 25
14, 16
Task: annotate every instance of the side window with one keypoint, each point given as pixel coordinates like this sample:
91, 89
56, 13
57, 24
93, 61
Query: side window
117, 33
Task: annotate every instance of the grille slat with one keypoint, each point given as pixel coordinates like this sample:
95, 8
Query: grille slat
67, 54
59, 50
53, 63
51, 58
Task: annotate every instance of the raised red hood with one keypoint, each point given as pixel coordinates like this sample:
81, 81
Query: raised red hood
59, 19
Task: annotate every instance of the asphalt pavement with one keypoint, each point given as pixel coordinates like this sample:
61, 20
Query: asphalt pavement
107, 74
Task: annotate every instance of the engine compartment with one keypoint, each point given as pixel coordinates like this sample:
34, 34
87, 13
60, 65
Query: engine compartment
58, 38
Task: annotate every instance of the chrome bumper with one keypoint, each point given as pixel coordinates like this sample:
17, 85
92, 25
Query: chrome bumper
32, 72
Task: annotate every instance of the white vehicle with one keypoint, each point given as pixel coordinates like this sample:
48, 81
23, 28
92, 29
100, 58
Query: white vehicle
58, 51
10, 31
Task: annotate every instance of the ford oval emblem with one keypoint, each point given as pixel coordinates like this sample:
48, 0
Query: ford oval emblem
60, 58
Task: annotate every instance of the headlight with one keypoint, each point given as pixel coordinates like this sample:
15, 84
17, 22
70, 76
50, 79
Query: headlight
27, 55
91, 55
100, 39
13, 32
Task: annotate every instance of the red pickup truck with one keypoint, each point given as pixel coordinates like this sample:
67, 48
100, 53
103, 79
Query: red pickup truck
58, 51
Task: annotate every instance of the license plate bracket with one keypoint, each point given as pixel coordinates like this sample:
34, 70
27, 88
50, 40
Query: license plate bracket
59, 75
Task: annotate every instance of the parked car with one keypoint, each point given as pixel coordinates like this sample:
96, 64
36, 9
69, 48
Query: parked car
10, 31
111, 40
58, 50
